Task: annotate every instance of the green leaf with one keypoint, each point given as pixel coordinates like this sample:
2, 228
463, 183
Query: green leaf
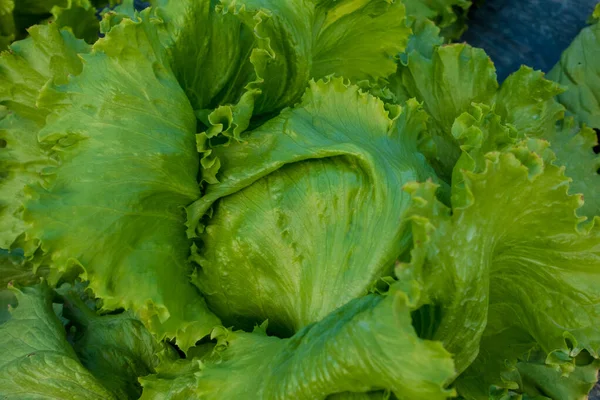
447, 81
512, 238
7, 23
578, 71
435, 74
37, 361
573, 147
116, 349
447, 14
79, 16
211, 52
378, 395
345, 32
526, 100
322, 168
540, 379
113, 207
325, 358
260, 54
47, 55
424, 40
174, 379
37, 6
7, 302
478, 131
510, 365
15, 269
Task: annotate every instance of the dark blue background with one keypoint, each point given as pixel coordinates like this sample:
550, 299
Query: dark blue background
530, 32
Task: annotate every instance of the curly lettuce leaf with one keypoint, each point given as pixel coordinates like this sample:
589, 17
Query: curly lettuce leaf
113, 207
579, 71
245, 58
174, 379
78, 16
368, 344
299, 202
512, 237
16, 269
47, 55
116, 349
37, 361
574, 148
450, 15
527, 101
7, 23
447, 80
344, 33
511, 365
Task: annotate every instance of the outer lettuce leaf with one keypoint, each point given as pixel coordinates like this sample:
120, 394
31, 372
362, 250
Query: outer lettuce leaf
579, 71
7, 302
447, 81
36, 361
47, 55
116, 349
260, 54
526, 100
79, 16
436, 75
212, 56
15, 269
511, 366
573, 147
114, 205
296, 204
7, 23
424, 40
450, 15
511, 239
174, 379
367, 344
344, 33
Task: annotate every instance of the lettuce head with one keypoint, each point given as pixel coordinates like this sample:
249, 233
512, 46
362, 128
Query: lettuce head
292, 199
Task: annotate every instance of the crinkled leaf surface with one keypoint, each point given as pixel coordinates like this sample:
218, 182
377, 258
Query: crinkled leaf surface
210, 51
367, 344
447, 81
47, 55
309, 209
345, 32
289, 40
79, 16
573, 147
15, 269
36, 361
510, 365
116, 349
512, 239
579, 70
7, 23
114, 205
526, 100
